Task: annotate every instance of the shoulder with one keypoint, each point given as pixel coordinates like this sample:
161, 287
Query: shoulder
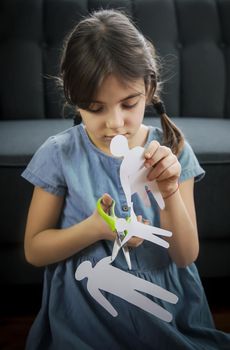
189, 164
62, 143
48, 165
155, 133
64, 139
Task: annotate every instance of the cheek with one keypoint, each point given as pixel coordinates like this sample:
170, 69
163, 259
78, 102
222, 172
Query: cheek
90, 122
138, 115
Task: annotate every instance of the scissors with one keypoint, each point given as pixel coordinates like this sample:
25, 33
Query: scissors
111, 219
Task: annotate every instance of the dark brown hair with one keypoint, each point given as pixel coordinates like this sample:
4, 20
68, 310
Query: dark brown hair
107, 42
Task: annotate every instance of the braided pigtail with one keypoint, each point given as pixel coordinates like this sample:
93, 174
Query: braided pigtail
172, 135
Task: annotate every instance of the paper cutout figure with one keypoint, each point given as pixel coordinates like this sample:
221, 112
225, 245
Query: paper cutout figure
141, 230
133, 176
133, 173
104, 276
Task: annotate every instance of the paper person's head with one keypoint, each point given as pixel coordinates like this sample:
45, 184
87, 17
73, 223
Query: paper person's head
109, 72
83, 270
121, 225
119, 146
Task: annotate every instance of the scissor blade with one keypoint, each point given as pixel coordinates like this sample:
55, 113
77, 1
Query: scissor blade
116, 248
125, 249
127, 256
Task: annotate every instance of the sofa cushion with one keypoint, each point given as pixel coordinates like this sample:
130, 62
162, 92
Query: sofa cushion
209, 138
20, 139
194, 53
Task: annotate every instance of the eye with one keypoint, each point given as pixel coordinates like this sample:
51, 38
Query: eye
129, 106
98, 110
131, 102
95, 108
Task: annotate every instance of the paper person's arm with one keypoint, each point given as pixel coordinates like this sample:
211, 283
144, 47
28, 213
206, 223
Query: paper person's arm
138, 183
153, 186
141, 230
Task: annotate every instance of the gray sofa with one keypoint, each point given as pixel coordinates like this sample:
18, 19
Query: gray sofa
193, 39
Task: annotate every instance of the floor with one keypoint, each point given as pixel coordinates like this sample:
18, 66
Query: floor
16, 319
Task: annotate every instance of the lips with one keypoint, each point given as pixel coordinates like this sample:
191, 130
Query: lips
111, 136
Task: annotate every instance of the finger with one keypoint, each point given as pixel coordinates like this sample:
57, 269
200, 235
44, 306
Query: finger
153, 146
161, 153
106, 201
167, 167
140, 219
171, 172
135, 242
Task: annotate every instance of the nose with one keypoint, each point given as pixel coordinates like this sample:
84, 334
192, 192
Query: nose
115, 119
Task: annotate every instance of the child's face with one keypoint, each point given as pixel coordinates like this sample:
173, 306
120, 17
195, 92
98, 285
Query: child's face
118, 109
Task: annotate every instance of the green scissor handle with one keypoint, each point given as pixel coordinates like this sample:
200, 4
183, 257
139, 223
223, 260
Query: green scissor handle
110, 218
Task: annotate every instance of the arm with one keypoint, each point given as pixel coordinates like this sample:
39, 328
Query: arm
45, 244
178, 215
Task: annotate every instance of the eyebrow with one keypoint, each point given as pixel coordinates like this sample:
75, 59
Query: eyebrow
124, 99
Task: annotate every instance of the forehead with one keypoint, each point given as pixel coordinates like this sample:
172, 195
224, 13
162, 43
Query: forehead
113, 86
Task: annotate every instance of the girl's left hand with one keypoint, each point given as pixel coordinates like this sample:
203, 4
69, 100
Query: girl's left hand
164, 168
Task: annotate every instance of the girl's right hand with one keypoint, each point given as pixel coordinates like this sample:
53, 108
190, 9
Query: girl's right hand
104, 229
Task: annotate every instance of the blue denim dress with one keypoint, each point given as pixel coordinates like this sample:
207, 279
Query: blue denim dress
69, 165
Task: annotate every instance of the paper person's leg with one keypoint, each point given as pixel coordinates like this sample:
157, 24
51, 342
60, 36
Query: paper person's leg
138, 181
85, 270
99, 297
156, 291
104, 276
148, 305
126, 187
156, 193
127, 287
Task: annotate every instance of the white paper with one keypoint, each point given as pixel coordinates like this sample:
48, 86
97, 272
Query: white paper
133, 173
104, 276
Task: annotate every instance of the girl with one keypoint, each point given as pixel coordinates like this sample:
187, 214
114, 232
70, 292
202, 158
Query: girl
109, 74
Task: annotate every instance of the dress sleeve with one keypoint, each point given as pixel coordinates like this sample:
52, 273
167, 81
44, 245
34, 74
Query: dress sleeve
45, 168
190, 166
